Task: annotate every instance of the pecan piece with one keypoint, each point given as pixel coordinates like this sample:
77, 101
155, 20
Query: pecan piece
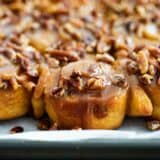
103, 47
120, 43
61, 54
142, 60
146, 79
95, 84
132, 67
119, 80
105, 58
152, 70
154, 51
76, 81
153, 125
17, 129
44, 124
150, 31
91, 47
23, 61
121, 53
69, 28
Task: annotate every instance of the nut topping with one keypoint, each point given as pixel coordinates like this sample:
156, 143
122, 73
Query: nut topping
142, 60
17, 129
132, 67
63, 55
95, 84
119, 80
44, 124
153, 125
105, 58
146, 79
154, 51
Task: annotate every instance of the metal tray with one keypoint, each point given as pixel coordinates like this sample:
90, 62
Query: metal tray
88, 149
127, 143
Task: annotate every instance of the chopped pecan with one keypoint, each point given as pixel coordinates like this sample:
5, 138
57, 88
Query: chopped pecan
133, 55
77, 22
154, 51
52, 62
9, 53
121, 53
23, 61
120, 43
44, 124
59, 54
69, 28
91, 47
141, 11
75, 74
102, 46
95, 84
131, 26
32, 71
153, 125
76, 81
17, 129
152, 70
150, 31
119, 80
132, 67
146, 79
142, 60
105, 58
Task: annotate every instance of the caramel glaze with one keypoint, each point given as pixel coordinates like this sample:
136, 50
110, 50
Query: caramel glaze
88, 63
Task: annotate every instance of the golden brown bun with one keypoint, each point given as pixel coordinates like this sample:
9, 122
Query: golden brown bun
139, 104
154, 93
92, 109
13, 103
96, 113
